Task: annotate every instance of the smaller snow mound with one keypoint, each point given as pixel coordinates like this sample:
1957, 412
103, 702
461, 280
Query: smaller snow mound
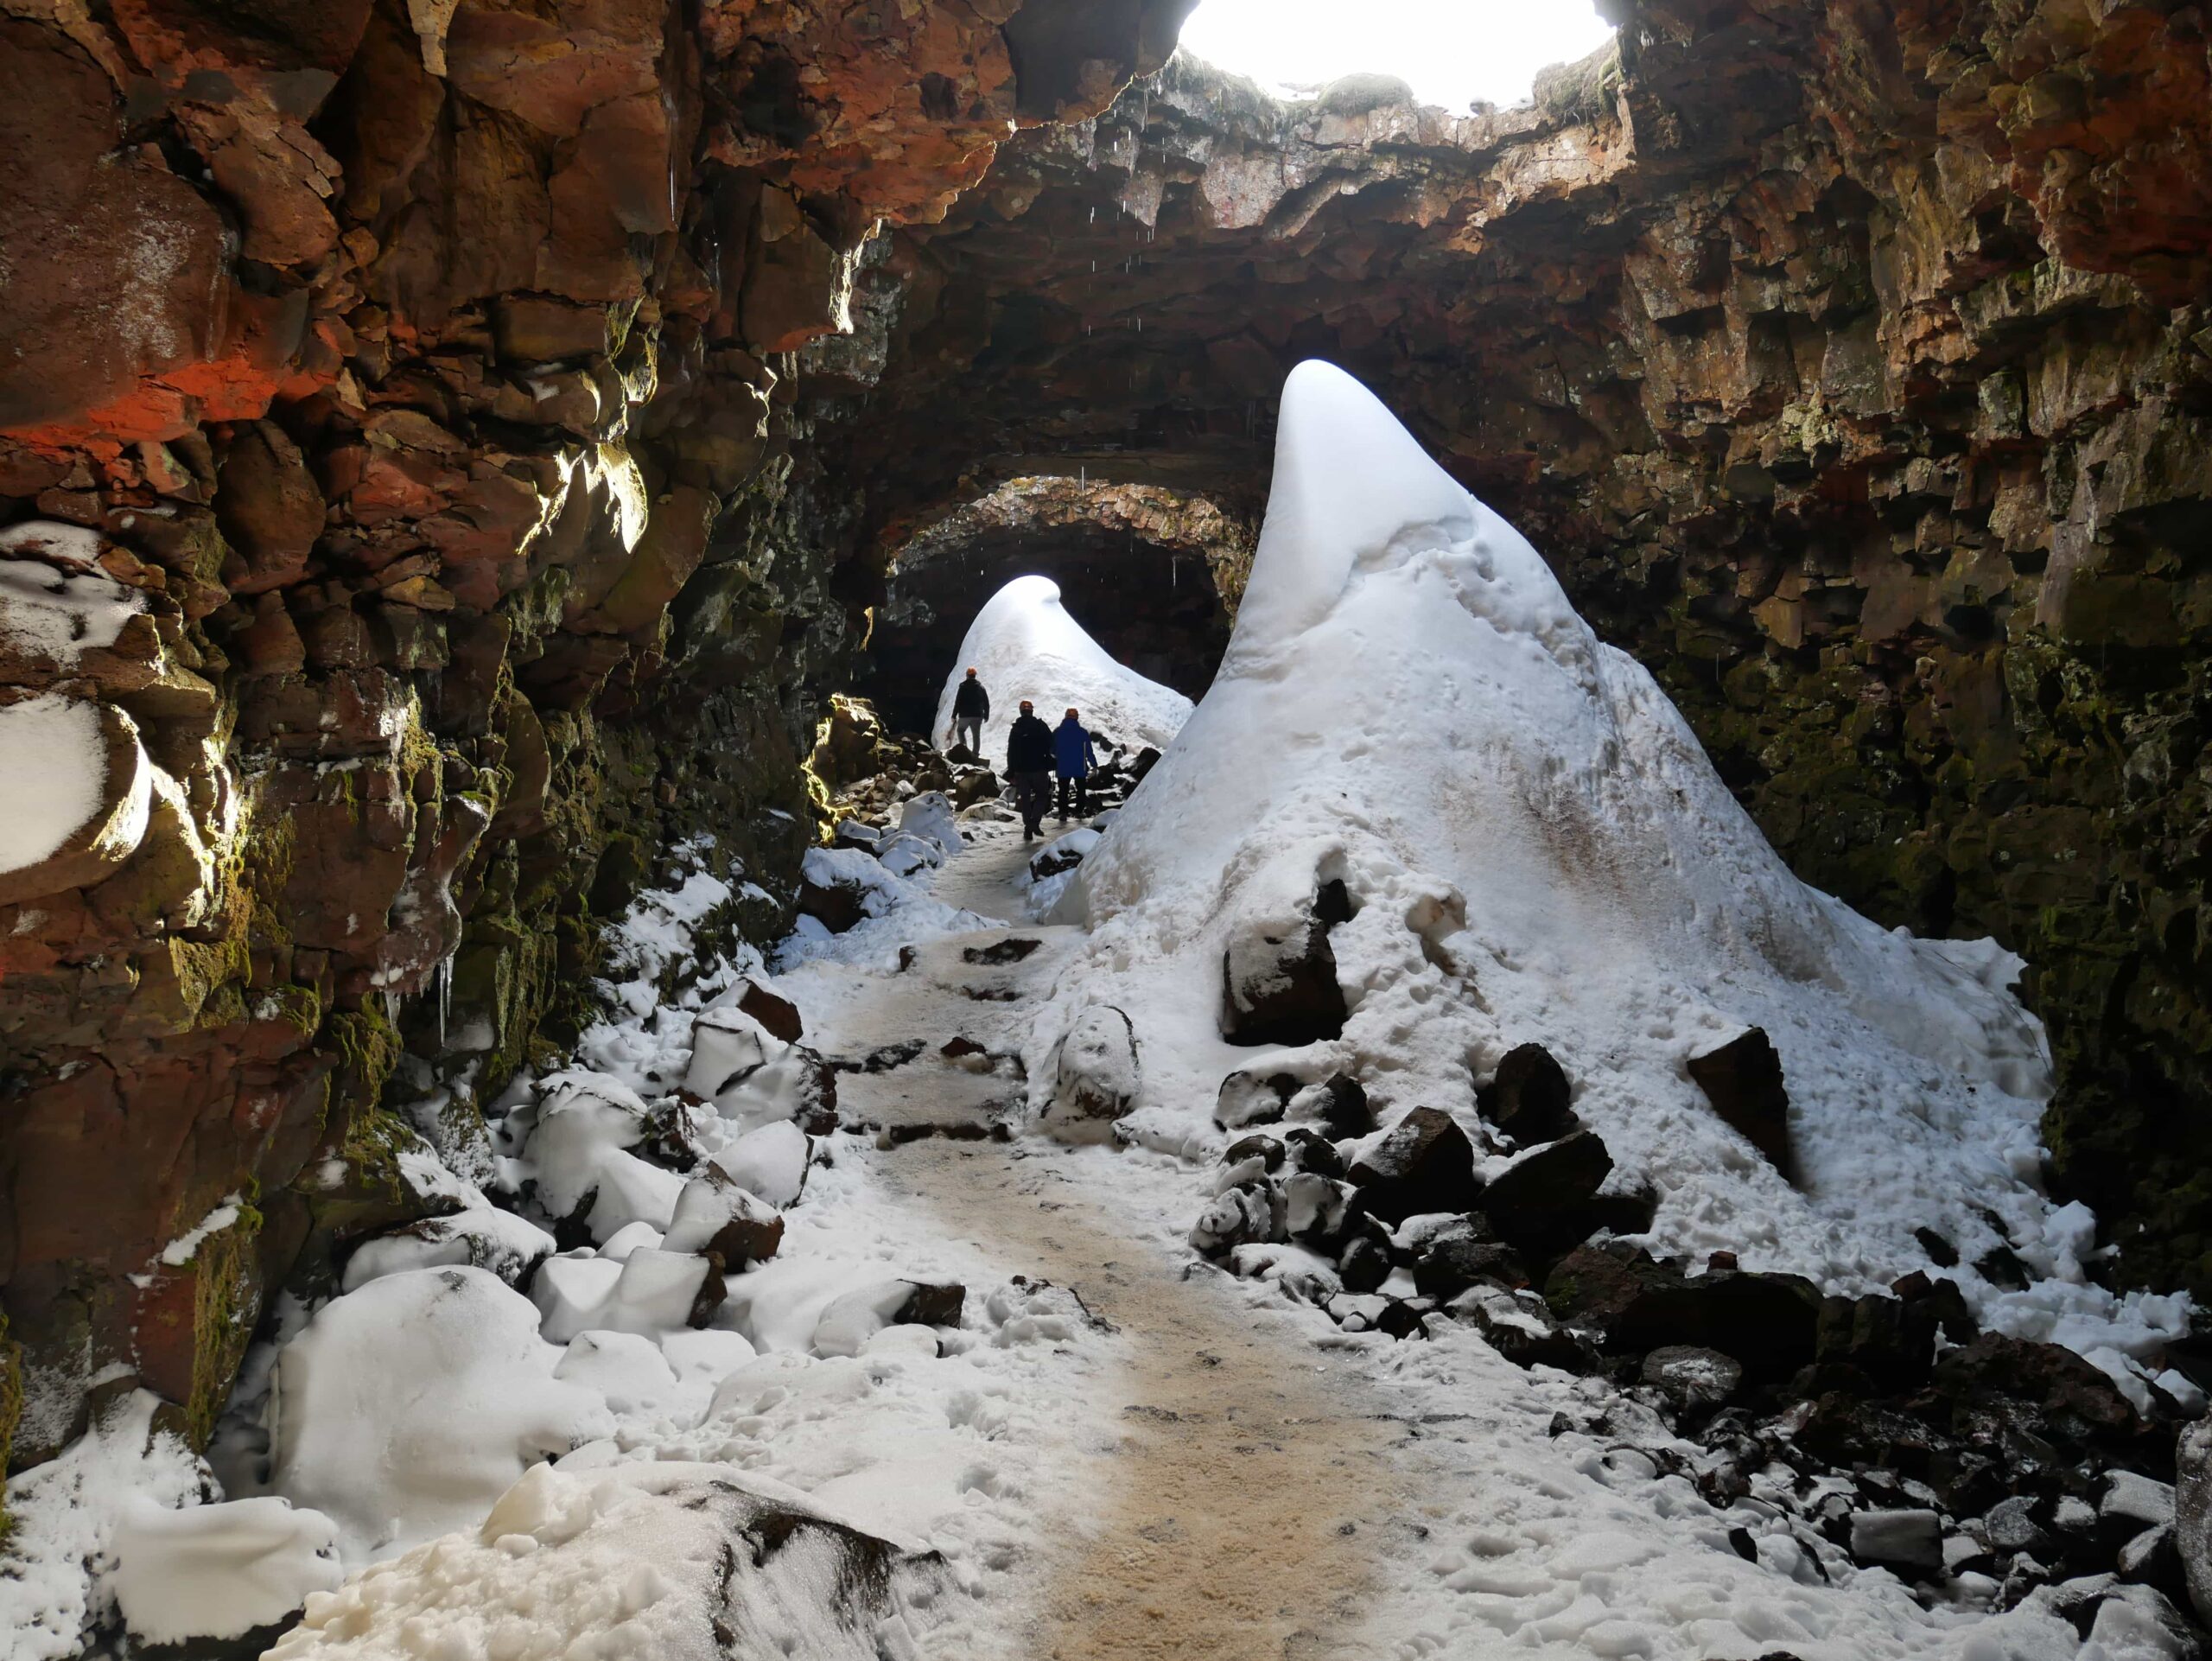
1024, 645
220, 1571
408, 1407
684, 1561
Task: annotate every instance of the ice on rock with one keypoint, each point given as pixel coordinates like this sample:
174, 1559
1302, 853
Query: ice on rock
1024, 645
1536, 850
769, 1162
407, 1408
221, 1570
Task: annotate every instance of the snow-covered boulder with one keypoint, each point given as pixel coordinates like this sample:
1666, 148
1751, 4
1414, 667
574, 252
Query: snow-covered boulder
627, 1369
930, 816
715, 1214
80, 791
2193, 1512
1062, 854
797, 1085
850, 1320
660, 1559
1096, 1077
482, 1237
649, 1292
573, 1142
903, 853
1025, 644
770, 1161
407, 1408
726, 1045
219, 1571
839, 887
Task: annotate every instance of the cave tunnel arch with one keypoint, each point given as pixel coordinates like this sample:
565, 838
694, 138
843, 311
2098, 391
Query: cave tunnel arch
1153, 573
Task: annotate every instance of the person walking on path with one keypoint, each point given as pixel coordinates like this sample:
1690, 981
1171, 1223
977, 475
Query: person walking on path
971, 708
1073, 757
1029, 763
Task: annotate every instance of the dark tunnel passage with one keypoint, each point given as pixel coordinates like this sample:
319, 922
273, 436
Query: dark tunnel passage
1152, 574
1154, 609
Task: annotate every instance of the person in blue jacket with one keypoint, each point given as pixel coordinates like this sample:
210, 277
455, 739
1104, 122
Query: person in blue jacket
1073, 757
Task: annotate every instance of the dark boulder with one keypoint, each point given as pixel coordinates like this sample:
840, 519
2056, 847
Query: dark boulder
1743, 1080
1543, 1202
1527, 1098
1461, 1253
1889, 1342
931, 1303
2082, 1402
1338, 1102
1365, 1264
1634, 1304
1279, 984
779, 1014
1309, 1151
1424, 1164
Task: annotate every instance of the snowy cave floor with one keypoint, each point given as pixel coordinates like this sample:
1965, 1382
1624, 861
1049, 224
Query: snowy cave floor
1212, 1469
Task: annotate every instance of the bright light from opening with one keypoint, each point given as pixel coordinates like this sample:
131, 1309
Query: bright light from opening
1451, 51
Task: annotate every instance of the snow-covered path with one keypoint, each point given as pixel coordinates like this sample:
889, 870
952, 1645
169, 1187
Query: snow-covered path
1235, 1480
1233, 1512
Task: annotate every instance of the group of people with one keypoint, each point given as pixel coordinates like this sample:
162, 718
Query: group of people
1036, 755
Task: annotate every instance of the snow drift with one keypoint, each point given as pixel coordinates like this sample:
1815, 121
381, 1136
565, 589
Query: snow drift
1536, 849
1024, 645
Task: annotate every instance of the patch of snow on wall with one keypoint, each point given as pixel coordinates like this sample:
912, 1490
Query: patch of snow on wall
53, 775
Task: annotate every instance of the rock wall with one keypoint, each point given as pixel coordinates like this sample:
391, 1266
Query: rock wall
1852, 361
411, 519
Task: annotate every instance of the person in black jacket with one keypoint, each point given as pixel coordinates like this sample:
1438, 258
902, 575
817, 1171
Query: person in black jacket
1029, 764
971, 708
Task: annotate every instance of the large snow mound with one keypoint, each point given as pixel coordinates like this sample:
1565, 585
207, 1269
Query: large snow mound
1024, 643
1538, 849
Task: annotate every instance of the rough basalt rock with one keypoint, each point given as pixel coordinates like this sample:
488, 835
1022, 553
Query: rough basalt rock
439, 382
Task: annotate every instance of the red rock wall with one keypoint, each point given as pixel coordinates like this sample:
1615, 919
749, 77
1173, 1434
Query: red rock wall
407, 359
